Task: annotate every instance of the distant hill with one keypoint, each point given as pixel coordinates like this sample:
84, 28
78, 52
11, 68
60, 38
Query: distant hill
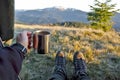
116, 20
55, 15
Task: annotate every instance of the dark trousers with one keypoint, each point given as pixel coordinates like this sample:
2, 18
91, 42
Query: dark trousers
61, 77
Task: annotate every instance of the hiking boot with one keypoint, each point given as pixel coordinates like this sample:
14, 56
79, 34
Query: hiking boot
80, 65
60, 59
60, 63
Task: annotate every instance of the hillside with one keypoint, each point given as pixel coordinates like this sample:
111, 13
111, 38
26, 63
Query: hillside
55, 15
101, 50
50, 15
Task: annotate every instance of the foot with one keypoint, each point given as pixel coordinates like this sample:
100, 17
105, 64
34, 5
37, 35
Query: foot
79, 63
60, 59
60, 64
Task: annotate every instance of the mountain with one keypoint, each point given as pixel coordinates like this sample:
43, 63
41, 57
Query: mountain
50, 15
116, 20
55, 15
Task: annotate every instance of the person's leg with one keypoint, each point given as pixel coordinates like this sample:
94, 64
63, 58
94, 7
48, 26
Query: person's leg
80, 67
59, 71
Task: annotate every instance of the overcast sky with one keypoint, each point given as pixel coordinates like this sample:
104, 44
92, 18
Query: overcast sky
40, 4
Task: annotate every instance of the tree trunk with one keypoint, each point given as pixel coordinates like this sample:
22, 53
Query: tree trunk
6, 19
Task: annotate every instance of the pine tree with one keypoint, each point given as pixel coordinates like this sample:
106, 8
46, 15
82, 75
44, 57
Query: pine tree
101, 15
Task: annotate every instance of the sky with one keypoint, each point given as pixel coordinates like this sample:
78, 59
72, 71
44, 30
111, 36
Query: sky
40, 4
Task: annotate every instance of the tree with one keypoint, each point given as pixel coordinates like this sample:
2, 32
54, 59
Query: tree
102, 12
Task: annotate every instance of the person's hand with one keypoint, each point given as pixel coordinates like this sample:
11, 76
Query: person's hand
22, 38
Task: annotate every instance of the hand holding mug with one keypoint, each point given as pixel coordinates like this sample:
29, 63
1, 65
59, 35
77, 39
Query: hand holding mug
22, 38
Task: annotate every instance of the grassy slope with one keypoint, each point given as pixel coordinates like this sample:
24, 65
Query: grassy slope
102, 52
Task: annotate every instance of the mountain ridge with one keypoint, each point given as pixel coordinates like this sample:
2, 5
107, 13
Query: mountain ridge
55, 15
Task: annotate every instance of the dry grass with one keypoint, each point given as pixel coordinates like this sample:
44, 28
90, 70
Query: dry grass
101, 49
